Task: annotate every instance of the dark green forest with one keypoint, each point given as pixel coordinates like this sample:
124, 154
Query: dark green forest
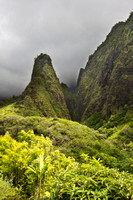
58, 144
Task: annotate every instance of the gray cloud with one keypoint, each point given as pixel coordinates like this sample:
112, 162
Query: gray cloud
67, 30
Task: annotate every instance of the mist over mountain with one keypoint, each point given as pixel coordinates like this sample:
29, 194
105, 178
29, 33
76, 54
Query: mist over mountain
60, 141
68, 32
103, 87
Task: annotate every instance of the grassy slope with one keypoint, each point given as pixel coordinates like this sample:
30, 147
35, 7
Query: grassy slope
71, 137
112, 142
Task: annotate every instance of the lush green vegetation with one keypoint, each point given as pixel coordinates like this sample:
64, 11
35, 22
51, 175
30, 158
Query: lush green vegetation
7, 191
112, 142
43, 96
86, 178
105, 85
119, 117
40, 172
46, 157
70, 101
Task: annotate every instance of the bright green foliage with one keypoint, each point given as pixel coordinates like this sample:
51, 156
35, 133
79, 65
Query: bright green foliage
116, 149
45, 174
9, 110
112, 145
16, 156
71, 137
7, 192
102, 100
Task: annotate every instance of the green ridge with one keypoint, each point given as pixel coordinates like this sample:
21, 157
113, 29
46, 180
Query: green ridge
105, 85
102, 100
43, 96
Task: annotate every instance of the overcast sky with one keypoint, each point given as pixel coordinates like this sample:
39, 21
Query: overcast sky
68, 30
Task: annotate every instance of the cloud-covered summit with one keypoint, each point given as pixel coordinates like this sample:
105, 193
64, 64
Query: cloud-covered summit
66, 30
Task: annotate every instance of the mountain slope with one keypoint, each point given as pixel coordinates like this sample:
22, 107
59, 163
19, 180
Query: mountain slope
70, 101
104, 92
105, 84
43, 96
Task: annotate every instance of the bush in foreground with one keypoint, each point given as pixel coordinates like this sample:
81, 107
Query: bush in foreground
42, 173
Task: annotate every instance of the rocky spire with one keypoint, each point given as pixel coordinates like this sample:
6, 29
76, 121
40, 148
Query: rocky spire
43, 95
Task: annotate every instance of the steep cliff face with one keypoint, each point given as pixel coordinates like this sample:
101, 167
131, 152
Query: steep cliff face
106, 84
103, 87
43, 96
70, 101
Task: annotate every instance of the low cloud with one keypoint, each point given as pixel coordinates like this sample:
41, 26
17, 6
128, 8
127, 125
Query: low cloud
69, 31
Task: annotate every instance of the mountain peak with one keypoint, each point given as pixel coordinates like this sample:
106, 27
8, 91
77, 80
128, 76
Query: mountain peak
44, 95
40, 64
44, 59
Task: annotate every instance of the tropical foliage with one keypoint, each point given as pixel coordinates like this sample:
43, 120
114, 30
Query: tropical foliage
39, 172
45, 157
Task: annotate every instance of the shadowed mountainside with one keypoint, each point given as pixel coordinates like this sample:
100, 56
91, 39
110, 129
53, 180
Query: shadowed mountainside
106, 83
